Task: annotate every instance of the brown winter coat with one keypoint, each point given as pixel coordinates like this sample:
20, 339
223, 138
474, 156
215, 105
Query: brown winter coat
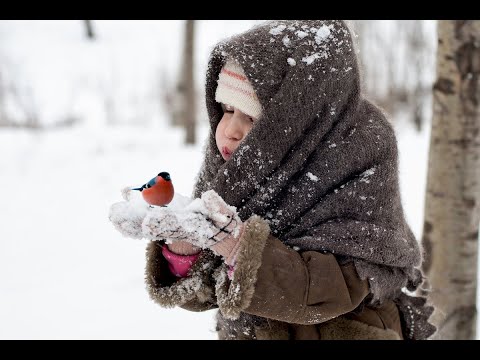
312, 298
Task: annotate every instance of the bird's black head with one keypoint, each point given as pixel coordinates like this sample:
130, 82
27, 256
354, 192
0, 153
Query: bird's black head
165, 176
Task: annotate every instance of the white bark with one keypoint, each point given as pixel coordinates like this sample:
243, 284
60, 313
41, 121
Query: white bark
452, 211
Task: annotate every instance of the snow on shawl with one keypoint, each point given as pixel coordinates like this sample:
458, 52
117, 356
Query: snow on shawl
321, 163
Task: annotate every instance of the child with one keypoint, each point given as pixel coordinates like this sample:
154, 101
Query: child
297, 230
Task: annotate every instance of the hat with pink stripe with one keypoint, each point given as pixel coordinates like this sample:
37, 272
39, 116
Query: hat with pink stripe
234, 89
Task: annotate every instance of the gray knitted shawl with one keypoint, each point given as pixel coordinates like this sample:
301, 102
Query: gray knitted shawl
321, 163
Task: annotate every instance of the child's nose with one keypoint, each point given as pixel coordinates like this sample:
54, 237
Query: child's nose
234, 128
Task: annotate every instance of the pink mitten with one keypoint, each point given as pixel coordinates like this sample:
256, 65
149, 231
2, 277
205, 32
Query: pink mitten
179, 264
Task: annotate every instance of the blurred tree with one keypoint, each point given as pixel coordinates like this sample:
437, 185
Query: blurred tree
187, 84
169, 96
89, 29
397, 77
24, 100
3, 117
416, 40
452, 211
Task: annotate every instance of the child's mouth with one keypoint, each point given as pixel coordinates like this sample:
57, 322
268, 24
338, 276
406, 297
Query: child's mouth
226, 153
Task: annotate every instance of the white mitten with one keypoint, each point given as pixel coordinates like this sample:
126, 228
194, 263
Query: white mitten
207, 222
127, 218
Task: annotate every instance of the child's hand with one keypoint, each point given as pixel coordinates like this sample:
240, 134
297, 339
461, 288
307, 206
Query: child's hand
223, 217
189, 226
207, 222
127, 218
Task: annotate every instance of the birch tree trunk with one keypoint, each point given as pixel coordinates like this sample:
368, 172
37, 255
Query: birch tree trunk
452, 211
3, 117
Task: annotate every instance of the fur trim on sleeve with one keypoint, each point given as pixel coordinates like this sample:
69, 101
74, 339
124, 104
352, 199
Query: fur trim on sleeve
235, 296
195, 290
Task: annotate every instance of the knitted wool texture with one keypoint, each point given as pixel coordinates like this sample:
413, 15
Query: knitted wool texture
234, 89
322, 163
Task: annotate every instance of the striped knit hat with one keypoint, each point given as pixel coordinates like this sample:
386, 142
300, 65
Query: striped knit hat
234, 89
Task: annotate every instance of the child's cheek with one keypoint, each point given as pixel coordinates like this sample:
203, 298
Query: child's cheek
218, 136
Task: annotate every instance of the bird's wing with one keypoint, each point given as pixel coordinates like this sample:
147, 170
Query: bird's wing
152, 182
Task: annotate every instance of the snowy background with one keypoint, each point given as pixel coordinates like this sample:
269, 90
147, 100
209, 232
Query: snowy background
65, 272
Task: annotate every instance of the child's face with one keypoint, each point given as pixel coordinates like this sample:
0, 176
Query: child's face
231, 130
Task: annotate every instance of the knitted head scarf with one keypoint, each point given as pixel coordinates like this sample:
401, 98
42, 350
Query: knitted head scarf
321, 163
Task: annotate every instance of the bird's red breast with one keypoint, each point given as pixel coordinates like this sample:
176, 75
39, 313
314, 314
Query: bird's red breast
159, 194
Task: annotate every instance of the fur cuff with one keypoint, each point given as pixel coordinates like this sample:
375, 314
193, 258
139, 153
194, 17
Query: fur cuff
197, 287
235, 296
